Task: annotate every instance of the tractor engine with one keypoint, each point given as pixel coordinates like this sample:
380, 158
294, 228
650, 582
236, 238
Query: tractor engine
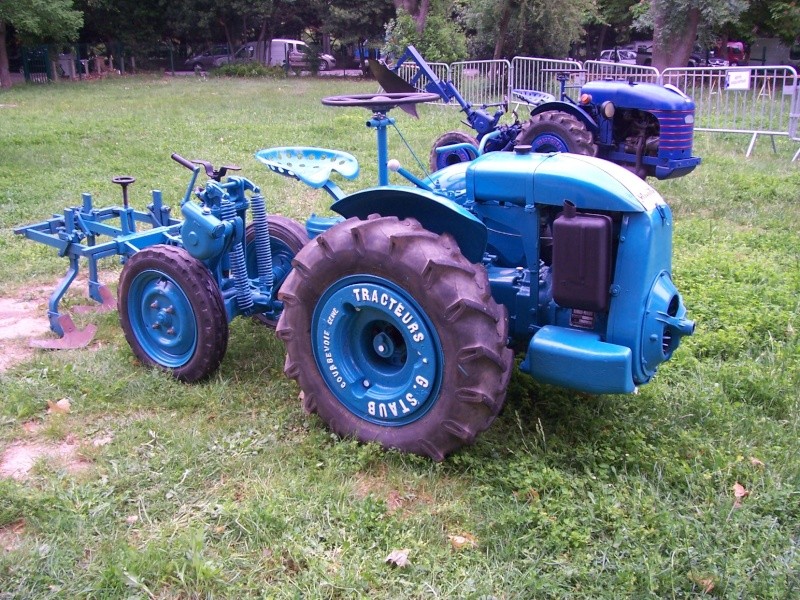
579, 253
638, 132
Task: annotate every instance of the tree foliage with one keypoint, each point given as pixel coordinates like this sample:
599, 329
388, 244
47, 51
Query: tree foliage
41, 21
444, 30
36, 21
784, 20
609, 25
506, 28
441, 40
352, 22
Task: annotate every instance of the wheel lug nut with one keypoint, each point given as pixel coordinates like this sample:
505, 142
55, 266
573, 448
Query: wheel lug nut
154, 305
169, 310
366, 383
171, 331
156, 326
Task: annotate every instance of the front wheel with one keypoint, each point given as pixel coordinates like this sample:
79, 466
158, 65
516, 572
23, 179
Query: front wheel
394, 337
172, 313
440, 160
555, 131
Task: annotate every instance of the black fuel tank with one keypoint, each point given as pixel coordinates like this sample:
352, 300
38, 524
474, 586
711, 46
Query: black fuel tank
581, 259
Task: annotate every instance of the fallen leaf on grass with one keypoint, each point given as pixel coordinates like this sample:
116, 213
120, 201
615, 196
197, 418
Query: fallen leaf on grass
739, 492
459, 542
60, 407
131, 519
755, 462
708, 585
705, 582
398, 558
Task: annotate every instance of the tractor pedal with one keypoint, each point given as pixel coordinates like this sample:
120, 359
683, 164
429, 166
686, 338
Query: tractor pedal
109, 303
73, 337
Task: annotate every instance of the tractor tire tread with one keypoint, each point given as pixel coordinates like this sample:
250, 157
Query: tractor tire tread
435, 161
577, 137
400, 251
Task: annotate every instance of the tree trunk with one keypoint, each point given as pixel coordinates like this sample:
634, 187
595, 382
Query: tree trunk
502, 29
673, 47
422, 15
5, 74
601, 43
407, 5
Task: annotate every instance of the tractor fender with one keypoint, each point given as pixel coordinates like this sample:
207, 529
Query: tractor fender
572, 109
435, 213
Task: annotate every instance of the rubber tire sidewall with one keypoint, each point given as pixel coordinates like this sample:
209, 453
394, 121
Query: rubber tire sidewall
435, 159
567, 128
455, 297
201, 291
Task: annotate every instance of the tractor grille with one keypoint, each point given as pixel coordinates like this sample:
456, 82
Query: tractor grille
676, 133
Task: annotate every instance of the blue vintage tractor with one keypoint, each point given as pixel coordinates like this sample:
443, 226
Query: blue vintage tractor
644, 127
401, 316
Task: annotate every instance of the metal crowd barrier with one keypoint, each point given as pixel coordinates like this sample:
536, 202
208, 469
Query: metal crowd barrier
751, 100
482, 82
599, 70
530, 76
794, 120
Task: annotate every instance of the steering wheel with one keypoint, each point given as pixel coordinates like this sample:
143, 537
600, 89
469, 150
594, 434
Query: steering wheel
380, 102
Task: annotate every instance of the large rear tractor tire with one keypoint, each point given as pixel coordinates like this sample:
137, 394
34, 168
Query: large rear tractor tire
555, 131
172, 313
440, 160
394, 337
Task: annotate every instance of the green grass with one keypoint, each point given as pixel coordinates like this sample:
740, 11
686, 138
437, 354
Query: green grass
228, 489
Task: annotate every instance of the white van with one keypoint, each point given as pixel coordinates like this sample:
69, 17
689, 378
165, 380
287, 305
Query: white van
281, 52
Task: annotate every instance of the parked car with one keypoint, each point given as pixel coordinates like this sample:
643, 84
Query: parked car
618, 55
280, 51
215, 56
644, 56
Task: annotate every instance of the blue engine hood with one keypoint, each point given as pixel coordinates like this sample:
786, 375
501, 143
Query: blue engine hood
644, 96
534, 178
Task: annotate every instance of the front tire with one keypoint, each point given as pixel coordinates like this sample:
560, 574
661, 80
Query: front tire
394, 337
172, 313
440, 160
555, 131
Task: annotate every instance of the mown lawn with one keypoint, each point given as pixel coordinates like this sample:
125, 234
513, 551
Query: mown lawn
228, 489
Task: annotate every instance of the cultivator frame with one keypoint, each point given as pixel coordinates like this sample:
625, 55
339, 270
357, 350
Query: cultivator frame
77, 235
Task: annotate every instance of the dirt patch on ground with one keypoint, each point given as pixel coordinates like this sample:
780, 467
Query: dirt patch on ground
19, 321
396, 501
11, 535
23, 316
19, 458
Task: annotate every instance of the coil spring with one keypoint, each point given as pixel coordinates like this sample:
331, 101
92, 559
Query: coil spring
263, 245
244, 296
